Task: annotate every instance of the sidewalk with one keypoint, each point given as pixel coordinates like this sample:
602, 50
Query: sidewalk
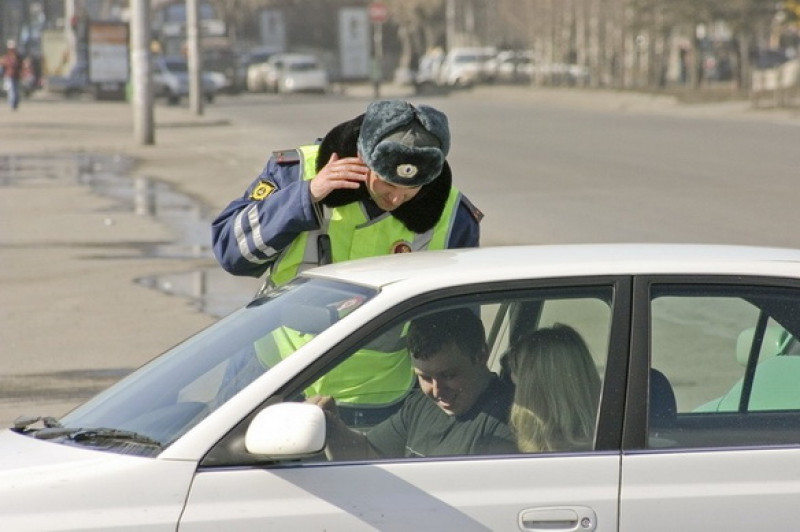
72, 319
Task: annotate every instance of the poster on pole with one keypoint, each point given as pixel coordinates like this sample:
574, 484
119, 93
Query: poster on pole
108, 56
354, 38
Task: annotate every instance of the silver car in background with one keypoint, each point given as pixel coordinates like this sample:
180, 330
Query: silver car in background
171, 80
290, 73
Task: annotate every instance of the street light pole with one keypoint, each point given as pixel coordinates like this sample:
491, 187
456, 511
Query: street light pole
377, 66
193, 57
141, 77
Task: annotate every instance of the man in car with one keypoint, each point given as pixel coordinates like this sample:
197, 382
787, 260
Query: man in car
460, 407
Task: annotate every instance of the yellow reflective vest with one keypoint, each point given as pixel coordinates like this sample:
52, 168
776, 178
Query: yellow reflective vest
352, 235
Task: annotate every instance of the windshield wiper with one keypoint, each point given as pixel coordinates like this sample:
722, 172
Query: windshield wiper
89, 435
24, 422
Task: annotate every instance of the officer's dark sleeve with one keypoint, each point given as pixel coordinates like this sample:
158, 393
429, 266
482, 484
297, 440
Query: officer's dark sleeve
249, 234
466, 232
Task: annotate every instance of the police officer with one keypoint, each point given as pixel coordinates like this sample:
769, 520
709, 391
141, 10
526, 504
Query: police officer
311, 205
374, 185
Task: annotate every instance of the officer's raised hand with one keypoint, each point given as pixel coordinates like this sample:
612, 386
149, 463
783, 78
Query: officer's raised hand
347, 172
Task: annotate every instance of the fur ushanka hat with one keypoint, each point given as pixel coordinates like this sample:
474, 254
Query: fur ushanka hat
405, 145
423, 211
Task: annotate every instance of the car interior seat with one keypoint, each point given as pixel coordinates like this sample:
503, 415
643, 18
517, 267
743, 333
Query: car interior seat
663, 408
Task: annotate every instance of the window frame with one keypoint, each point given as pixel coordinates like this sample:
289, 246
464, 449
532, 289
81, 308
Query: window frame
636, 433
227, 452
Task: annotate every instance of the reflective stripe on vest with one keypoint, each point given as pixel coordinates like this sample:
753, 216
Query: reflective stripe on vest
353, 235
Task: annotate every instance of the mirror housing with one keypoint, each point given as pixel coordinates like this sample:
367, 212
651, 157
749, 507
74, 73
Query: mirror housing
286, 431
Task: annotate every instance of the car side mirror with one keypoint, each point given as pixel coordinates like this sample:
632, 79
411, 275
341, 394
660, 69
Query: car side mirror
286, 431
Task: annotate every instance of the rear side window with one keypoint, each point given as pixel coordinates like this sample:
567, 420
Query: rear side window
725, 366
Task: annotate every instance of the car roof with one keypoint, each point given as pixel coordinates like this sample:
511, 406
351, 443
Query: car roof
464, 266
294, 57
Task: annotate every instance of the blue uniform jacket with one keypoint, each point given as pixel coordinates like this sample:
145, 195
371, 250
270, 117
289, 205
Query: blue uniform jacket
249, 234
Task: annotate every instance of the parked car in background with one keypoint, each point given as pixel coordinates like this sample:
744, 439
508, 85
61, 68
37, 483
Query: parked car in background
464, 67
288, 73
302, 73
219, 63
558, 74
513, 66
76, 82
429, 70
260, 74
691, 421
248, 64
171, 80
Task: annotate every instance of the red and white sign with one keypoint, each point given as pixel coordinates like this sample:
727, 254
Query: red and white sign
378, 12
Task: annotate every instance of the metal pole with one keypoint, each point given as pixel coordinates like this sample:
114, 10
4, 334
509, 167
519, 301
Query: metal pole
141, 76
450, 24
193, 56
377, 67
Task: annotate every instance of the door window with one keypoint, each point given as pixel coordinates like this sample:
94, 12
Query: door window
481, 374
725, 369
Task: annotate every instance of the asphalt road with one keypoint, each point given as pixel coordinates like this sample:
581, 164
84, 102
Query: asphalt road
545, 166
567, 167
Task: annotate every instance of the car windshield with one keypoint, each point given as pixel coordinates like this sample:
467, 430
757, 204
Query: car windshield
302, 66
174, 392
177, 66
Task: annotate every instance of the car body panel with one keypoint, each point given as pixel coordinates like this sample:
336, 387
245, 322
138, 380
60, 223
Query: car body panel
666, 491
205, 479
426, 495
46, 486
454, 267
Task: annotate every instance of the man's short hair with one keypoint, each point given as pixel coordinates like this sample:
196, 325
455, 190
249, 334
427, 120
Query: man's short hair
429, 334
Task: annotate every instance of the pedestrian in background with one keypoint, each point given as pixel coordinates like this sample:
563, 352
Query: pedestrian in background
12, 70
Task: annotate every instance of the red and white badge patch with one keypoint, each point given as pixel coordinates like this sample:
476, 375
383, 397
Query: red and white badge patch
401, 247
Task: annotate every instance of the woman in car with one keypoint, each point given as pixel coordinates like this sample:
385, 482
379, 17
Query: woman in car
557, 391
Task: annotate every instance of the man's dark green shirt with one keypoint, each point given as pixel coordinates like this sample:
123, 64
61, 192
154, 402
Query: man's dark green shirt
421, 428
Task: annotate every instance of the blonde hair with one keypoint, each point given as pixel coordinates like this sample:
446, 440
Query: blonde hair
557, 392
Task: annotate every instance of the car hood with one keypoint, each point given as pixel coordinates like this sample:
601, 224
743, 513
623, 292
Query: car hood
50, 486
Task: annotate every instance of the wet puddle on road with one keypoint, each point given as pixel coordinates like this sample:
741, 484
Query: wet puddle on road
211, 290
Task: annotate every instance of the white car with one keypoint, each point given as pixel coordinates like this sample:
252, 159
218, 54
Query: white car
464, 67
289, 73
254, 64
697, 423
299, 73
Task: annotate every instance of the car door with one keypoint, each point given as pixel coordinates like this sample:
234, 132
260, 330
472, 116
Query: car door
719, 448
572, 487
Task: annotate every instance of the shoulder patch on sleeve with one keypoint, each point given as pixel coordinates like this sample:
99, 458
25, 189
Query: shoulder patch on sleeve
473, 210
262, 190
290, 156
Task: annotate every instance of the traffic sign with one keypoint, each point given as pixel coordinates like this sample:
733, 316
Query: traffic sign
378, 12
